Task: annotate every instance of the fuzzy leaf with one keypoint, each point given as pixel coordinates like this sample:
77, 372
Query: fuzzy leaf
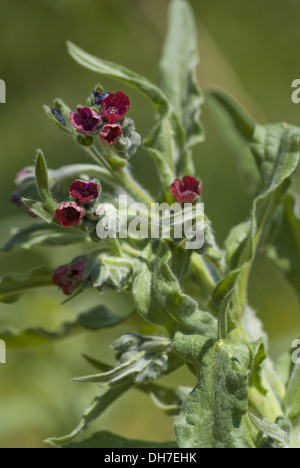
44, 235
120, 73
239, 117
215, 413
13, 286
141, 359
99, 405
292, 399
110, 273
276, 151
105, 439
285, 253
94, 319
271, 435
159, 298
177, 73
38, 209
42, 181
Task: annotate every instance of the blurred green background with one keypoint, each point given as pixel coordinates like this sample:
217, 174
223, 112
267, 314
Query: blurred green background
250, 49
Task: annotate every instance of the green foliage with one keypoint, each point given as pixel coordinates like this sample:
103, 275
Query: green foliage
95, 319
197, 302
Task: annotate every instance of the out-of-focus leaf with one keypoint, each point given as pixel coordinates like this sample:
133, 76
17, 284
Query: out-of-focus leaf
120, 73
285, 253
159, 298
240, 118
276, 151
99, 405
13, 286
177, 72
105, 439
44, 235
94, 319
271, 435
292, 399
215, 413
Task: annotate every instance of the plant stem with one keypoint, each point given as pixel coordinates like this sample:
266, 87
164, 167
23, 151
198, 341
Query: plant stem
123, 178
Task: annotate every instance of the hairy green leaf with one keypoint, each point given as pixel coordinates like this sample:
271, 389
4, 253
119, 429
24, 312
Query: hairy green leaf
13, 286
118, 72
44, 235
177, 72
141, 359
239, 117
215, 413
94, 319
271, 435
42, 181
105, 439
276, 151
99, 405
285, 252
292, 399
159, 297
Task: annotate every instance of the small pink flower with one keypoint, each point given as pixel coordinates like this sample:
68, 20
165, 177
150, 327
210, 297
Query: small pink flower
111, 133
84, 192
115, 106
85, 120
69, 214
186, 190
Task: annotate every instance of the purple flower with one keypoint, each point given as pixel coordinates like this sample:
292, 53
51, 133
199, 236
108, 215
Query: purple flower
69, 214
68, 277
84, 192
186, 190
99, 97
115, 107
86, 120
111, 133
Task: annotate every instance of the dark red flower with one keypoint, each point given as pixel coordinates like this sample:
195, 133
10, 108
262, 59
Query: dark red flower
111, 134
84, 191
68, 277
115, 106
186, 190
76, 271
68, 214
85, 120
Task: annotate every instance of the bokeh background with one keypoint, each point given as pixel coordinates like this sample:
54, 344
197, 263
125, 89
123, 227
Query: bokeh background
250, 49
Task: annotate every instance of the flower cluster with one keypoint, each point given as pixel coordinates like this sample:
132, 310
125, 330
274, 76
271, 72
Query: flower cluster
107, 119
71, 213
69, 277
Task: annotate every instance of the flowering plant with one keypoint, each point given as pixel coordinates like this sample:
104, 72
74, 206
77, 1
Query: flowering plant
196, 300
